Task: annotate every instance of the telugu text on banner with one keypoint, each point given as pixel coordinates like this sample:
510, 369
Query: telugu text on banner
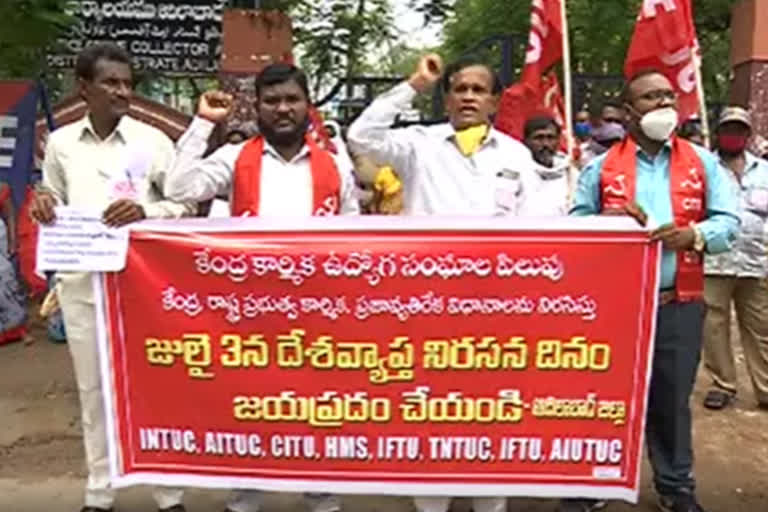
387, 356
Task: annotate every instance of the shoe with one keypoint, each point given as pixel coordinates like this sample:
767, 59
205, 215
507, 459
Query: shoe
680, 502
718, 399
96, 509
580, 505
175, 508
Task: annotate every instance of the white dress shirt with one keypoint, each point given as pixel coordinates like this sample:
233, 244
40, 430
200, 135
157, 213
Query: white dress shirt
552, 189
82, 170
286, 187
499, 179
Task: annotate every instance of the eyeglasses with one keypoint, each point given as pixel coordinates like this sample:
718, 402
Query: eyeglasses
659, 95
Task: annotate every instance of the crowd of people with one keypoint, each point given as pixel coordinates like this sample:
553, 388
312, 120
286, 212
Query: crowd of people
708, 209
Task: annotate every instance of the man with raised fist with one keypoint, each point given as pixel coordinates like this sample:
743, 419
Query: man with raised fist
462, 167
280, 172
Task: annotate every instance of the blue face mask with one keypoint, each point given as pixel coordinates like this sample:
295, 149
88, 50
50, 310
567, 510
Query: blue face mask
582, 129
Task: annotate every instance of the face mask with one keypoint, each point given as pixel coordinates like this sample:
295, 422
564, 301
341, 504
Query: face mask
659, 124
582, 129
470, 139
732, 143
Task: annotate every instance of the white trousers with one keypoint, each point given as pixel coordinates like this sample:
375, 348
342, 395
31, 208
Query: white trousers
76, 299
441, 504
250, 501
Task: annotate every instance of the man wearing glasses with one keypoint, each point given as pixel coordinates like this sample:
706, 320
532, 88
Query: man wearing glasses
679, 191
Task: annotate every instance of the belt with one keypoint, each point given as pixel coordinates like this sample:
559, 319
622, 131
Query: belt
667, 297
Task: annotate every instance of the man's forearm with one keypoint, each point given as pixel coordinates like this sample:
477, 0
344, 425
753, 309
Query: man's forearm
183, 182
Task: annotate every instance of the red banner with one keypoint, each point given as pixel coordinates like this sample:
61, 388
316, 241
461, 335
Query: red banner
665, 39
387, 356
538, 89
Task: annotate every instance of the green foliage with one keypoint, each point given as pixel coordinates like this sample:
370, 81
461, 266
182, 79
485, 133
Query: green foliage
27, 28
334, 37
600, 32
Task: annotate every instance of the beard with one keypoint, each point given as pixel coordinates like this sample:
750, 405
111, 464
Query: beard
285, 138
544, 157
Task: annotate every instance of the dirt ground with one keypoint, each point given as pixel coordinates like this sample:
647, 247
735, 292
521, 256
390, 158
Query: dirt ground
42, 468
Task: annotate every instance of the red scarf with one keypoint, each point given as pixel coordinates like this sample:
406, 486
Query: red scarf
688, 191
246, 184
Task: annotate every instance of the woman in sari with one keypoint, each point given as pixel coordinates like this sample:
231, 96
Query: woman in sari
13, 313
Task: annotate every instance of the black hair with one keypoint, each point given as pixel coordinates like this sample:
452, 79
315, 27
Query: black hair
539, 122
85, 67
280, 73
467, 62
690, 128
625, 91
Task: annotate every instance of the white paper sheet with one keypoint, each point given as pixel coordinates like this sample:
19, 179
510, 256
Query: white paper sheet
80, 242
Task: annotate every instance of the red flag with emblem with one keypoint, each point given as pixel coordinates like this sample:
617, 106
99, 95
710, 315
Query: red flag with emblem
665, 39
538, 89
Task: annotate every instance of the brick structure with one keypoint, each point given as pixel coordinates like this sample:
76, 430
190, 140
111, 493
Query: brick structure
749, 60
252, 39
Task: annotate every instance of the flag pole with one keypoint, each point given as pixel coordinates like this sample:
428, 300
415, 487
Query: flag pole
700, 93
568, 100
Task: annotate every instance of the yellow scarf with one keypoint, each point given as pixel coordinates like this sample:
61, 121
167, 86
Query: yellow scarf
470, 139
387, 181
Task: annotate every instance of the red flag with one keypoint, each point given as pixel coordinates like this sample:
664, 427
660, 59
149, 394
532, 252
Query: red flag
665, 39
545, 42
537, 90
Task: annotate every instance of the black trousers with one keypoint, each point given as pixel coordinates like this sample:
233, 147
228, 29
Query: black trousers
668, 427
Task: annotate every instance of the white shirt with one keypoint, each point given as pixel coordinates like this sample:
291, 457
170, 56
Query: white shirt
499, 179
286, 187
219, 209
552, 190
82, 170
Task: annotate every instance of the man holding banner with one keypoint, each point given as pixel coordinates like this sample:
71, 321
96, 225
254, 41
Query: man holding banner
465, 167
281, 173
680, 192
112, 163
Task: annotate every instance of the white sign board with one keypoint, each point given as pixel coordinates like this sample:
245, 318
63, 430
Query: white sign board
80, 242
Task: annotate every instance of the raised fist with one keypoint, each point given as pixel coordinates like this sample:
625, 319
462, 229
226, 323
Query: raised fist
428, 72
215, 106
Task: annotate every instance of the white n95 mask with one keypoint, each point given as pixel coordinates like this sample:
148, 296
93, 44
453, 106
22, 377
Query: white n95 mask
659, 124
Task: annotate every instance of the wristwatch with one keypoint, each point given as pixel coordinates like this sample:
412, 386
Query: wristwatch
699, 243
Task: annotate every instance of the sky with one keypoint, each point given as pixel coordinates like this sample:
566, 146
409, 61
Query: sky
410, 22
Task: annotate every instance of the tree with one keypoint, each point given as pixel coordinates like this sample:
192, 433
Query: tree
433, 11
27, 28
600, 33
333, 37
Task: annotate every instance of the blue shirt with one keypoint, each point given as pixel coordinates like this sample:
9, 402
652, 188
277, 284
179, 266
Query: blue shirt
652, 191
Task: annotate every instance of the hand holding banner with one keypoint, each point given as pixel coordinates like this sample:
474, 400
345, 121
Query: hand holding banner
412, 357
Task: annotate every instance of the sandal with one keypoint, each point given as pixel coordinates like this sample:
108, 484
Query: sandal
717, 399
